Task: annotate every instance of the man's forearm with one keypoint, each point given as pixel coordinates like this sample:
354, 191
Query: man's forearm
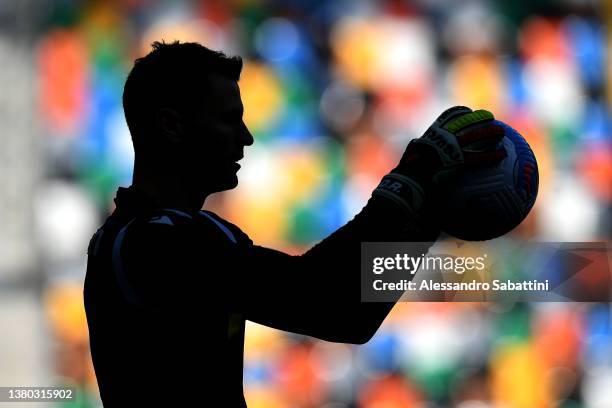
340, 254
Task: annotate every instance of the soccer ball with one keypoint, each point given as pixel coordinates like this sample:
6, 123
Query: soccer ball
485, 203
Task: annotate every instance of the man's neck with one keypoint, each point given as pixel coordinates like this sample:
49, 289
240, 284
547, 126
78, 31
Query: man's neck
170, 194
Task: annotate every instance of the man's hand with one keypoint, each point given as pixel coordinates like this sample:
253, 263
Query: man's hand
457, 139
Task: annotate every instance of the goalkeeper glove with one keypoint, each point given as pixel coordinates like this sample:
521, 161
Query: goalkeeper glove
458, 138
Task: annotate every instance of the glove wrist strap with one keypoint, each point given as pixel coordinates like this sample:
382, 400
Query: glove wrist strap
402, 190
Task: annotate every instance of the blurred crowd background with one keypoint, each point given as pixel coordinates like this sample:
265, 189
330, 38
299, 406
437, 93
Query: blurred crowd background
333, 91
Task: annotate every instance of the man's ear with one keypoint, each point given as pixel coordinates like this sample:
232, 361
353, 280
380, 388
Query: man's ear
170, 122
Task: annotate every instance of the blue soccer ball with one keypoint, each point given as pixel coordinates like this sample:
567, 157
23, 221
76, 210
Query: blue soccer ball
486, 203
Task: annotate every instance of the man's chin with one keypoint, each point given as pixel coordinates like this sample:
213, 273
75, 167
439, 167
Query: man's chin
227, 183
233, 183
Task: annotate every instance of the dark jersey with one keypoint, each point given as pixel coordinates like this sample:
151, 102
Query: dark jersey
167, 293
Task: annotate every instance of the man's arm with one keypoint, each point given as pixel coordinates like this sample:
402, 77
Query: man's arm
318, 293
190, 266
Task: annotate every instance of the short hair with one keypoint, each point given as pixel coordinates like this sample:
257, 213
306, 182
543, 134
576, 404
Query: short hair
172, 75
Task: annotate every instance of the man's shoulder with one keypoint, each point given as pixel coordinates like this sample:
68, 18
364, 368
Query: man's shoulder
232, 231
177, 224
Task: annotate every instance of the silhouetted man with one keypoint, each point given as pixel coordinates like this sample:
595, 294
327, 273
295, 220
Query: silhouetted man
169, 286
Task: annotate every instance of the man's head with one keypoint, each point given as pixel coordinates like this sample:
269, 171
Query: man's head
183, 108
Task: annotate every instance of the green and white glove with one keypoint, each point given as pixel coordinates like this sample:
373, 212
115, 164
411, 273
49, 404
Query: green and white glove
459, 138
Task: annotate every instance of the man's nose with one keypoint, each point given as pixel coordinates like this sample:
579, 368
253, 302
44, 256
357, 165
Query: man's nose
246, 136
